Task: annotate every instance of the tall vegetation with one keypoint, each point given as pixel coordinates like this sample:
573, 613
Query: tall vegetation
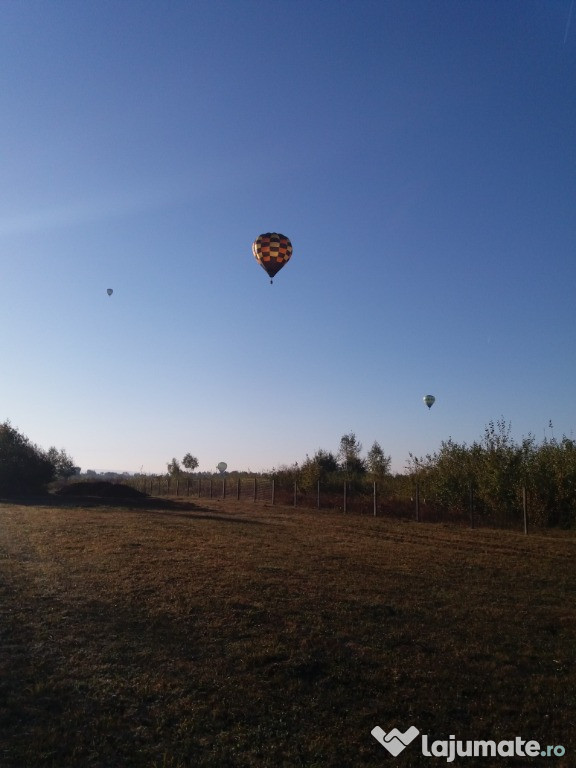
320, 468
26, 468
551, 481
496, 469
332, 469
62, 463
189, 462
174, 468
350, 457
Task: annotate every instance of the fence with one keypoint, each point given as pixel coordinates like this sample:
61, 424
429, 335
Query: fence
350, 498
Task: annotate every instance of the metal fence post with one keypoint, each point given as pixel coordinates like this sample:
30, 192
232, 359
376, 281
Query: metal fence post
525, 508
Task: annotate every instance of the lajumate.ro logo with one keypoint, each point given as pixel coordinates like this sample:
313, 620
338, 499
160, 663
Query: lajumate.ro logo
396, 742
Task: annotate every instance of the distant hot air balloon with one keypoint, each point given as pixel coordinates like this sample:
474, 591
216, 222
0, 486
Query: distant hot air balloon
222, 467
109, 291
429, 400
272, 251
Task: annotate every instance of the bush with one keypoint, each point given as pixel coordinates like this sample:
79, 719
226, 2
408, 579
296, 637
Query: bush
552, 483
497, 468
24, 468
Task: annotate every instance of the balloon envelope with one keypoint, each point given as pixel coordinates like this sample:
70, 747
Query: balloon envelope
272, 250
222, 466
429, 400
109, 291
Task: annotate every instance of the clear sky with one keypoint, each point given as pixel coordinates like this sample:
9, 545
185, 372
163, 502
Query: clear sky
420, 155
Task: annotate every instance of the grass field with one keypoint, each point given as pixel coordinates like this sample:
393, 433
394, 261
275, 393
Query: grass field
234, 634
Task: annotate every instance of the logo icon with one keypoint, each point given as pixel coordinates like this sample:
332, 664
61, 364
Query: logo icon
395, 741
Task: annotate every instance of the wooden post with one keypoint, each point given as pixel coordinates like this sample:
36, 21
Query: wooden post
318, 495
177, 486
471, 502
210, 487
199, 486
525, 509
255, 489
295, 493
417, 502
375, 499
223, 487
238, 489
273, 491
188, 487
345, 496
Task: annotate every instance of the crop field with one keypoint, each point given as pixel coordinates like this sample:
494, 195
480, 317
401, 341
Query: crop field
173, 634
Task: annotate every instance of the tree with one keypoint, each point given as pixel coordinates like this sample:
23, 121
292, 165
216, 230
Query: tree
174, 468
24, 468
190, 462
63, 465
317, 468
377, 462
349, 455
326, 461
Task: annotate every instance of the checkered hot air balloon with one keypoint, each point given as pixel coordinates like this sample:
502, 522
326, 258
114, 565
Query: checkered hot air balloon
272, 251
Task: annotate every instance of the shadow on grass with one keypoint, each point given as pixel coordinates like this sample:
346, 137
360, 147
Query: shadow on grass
60, 713
145, 504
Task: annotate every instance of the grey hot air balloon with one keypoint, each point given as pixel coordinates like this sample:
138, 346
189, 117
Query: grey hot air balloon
109, 291
429, 400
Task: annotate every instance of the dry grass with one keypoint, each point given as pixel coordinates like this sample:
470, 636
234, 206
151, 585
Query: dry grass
236, 634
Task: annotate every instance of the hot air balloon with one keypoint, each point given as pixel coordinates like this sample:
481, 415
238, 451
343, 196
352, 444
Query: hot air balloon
272, 251
109, 291
429, 400
222, 467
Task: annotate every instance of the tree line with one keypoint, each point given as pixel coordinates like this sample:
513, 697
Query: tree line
25, 468
495, 474
496, 469
332, 468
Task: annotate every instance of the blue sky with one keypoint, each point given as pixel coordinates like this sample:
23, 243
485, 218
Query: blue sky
420, 155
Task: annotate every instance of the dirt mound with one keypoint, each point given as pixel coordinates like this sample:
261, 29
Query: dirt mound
101, 489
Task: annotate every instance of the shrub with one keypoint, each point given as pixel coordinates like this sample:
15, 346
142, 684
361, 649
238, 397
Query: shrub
24, 468
497, 467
